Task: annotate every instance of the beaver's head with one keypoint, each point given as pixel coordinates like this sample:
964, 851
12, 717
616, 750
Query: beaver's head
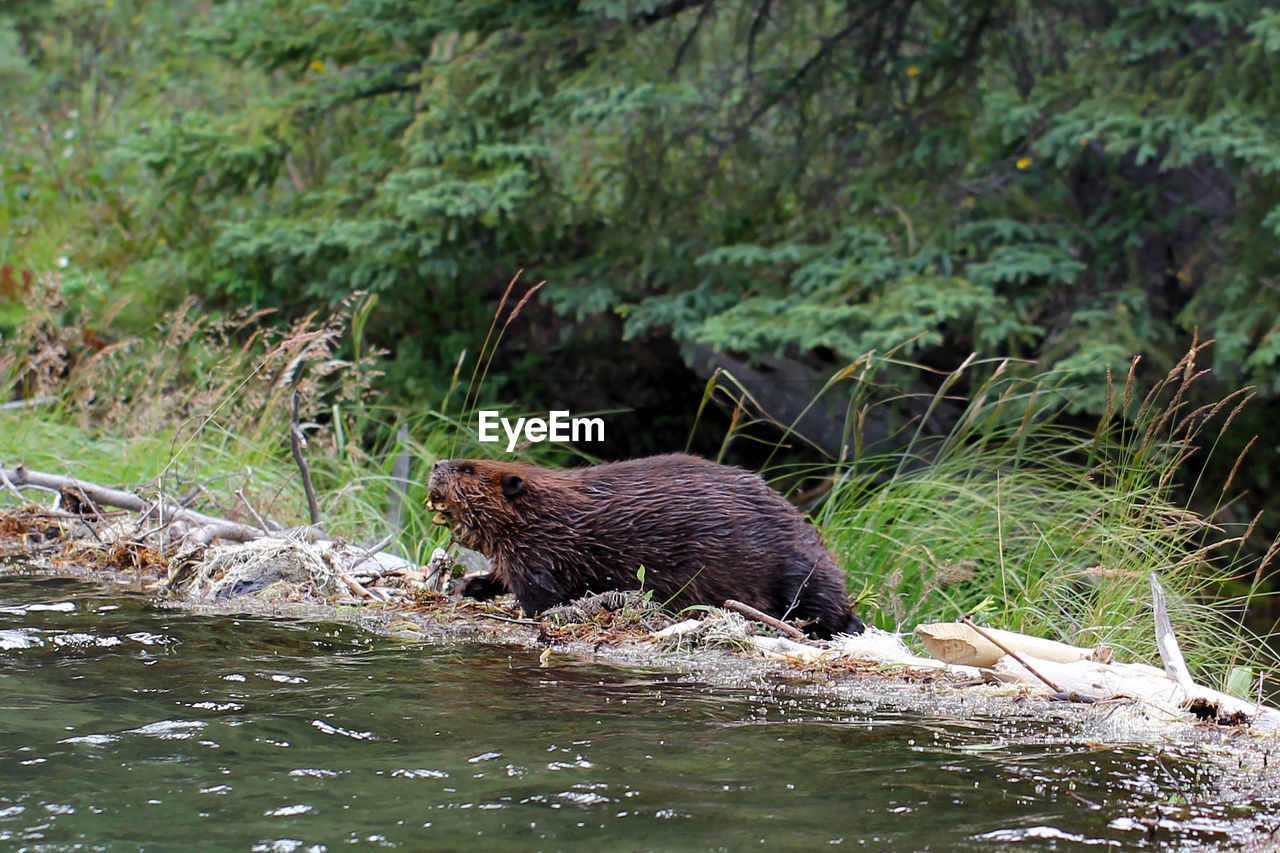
478, 497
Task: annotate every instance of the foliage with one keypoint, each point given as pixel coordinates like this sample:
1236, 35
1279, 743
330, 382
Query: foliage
1062, 181
203, 406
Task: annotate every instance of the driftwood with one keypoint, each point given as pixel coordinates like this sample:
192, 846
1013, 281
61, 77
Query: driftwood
1167, 642
1091, 681
210, 527
1089, 675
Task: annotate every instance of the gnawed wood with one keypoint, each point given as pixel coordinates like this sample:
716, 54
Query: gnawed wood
955, 642
1090, 680
1166, 641
1025, 660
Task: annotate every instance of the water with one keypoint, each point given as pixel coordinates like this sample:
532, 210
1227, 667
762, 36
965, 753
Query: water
126, 727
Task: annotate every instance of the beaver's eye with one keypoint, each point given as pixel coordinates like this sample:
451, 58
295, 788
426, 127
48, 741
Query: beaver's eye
467, 469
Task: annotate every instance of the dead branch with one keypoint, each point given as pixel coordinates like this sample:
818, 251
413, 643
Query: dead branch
759, 616
372, 551
358, 588
965, 620
262, 522
296, 442
8, 484
28, 403
21, 477
1174, 663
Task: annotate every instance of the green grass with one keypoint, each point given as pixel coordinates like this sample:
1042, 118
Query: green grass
204, 403
999, 503
1039, 526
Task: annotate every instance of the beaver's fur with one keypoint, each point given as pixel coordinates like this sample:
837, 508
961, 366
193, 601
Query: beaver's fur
703, 533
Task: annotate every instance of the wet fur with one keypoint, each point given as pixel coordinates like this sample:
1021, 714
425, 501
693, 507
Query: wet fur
703, 532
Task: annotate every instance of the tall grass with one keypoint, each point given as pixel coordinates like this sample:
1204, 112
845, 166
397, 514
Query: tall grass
1009, 509
201, 408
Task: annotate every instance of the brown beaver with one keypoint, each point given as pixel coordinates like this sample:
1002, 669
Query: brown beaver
703, 533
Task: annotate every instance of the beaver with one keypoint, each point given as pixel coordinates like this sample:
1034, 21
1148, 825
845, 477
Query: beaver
702, 532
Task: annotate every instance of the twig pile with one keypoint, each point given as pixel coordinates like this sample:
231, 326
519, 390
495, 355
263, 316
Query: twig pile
205, 558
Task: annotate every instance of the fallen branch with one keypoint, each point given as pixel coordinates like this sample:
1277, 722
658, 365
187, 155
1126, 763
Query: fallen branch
356, 587
533, 623
955, 642
262, 522
8, 484
20, 477
751, 613
372, 551
28, 403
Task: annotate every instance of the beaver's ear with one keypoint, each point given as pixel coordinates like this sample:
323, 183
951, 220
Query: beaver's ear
512, 485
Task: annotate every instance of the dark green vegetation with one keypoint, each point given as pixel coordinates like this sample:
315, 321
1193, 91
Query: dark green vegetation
1078, 181
795, 182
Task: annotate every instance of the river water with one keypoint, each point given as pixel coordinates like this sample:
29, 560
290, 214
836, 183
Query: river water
124, 726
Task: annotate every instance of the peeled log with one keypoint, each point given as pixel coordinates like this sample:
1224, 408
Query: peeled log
1092, 680
956, 643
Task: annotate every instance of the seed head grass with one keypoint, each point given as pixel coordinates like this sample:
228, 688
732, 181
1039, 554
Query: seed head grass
997, 503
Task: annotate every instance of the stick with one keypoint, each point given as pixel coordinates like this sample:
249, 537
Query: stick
1002, 647
296, 442
8, 484
231, 530
27, 403
20, 476
1174, 663
356, 587
372, 550
262, 522
531, 622
751, 613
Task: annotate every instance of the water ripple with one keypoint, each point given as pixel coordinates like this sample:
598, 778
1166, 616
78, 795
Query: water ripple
170, 729
339, 730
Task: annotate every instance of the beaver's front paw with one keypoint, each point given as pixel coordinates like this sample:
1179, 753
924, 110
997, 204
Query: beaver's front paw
479, 586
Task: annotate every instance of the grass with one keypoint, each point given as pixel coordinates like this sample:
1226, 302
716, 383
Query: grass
997, 504
203, 405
